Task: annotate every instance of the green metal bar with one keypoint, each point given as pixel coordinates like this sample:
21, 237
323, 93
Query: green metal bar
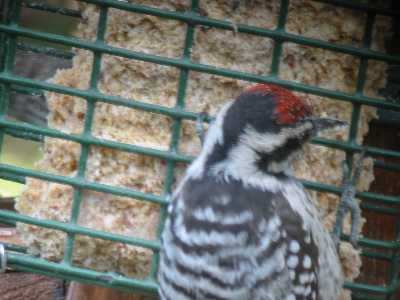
321, 187
3, 19
95, 141
5, 169
27, 91
395, 286
8, 66
276, 54
15, 12
4, 98
366, 242
373, 151
376, 255
115, 281
70, 240
356, 107
8, 223
174, 156
176, 128
51, 269
386, 166
12, 177
154, 245
82, 279
83, 184
93, 95
7, 13
10, 54
367, 287
51, 8
37, 133
355, 117
361, 78
76, 229
352, 139
343, 3
360, 296
394, 277
174, 62
2, 50
23, 134
197, 19
45, 50
172, 112
15, 248
77, 196
381, 209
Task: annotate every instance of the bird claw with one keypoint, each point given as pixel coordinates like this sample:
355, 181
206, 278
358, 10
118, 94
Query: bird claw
200, 131
348, 203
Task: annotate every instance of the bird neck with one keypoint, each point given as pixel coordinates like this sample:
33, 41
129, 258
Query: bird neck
243, 162
253, 152
240, 164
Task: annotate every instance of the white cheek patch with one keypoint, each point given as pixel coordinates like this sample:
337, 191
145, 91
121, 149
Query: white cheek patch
267, 142
242, 158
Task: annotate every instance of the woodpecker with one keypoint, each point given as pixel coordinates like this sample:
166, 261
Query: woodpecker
239, 225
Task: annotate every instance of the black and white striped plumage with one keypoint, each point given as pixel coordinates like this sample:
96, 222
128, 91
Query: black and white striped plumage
239, 226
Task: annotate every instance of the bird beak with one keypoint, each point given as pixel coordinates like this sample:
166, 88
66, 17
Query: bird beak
322, 124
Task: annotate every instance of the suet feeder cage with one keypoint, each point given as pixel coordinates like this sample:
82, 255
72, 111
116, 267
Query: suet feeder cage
16, 36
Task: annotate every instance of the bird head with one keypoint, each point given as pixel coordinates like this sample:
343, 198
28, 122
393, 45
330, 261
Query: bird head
262, 130
272, 109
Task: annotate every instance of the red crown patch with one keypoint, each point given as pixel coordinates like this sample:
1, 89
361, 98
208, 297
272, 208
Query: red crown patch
289, 108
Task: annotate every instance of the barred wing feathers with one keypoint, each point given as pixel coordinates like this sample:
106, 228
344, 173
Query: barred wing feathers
225, 240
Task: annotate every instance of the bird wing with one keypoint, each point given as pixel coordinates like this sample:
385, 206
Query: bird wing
223, 240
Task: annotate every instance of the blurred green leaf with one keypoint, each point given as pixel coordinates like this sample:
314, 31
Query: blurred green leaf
21, 153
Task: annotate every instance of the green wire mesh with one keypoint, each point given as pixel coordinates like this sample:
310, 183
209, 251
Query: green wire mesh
10, 30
